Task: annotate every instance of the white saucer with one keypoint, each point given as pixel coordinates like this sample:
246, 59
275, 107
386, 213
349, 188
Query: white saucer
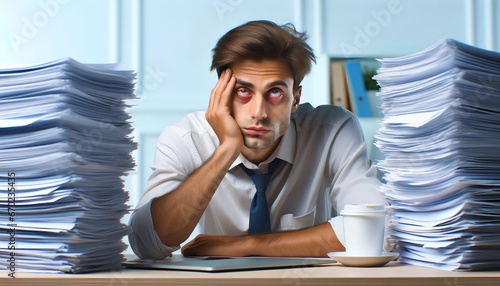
378, 260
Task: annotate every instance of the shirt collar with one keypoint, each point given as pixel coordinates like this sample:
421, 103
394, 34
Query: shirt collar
286, 150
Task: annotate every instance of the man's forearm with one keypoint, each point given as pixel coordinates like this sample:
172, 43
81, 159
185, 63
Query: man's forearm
177, 213
312, 242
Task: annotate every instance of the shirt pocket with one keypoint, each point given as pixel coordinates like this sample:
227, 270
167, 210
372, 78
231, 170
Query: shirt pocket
291, 222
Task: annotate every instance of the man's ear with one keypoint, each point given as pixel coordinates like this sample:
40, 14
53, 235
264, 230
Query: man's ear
296, 98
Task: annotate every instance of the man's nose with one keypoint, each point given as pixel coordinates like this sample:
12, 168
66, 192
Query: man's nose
258, 107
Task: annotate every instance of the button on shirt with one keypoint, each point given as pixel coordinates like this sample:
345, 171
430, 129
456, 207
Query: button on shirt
326, 167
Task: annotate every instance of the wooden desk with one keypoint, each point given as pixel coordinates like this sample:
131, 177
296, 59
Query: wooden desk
394, 273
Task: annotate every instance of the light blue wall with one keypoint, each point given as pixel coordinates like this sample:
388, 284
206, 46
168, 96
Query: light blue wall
169, 42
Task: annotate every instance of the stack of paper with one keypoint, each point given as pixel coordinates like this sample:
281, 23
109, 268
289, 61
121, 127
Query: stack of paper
65, 146
441, 138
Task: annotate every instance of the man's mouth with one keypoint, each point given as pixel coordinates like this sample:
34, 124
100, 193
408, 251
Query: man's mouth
256, 130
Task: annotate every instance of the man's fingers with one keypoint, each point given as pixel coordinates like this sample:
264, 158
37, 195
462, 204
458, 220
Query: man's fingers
225, 99
220, 87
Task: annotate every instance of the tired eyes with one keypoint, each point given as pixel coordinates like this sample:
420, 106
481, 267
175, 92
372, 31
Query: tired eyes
273, 95
275, 92
243, 93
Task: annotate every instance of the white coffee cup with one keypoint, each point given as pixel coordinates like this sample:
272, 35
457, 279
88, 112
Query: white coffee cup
364, 229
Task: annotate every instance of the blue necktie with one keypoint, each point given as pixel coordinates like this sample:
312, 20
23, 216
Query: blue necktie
259, 210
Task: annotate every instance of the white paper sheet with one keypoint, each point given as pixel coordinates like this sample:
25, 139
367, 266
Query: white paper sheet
440, 136
65, 147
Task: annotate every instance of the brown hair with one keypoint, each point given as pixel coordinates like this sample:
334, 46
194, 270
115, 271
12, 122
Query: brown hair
259, 40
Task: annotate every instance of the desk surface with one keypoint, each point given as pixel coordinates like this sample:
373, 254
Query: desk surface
394, 273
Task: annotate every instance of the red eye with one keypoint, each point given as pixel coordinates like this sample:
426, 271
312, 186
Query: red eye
275, 95
243, 94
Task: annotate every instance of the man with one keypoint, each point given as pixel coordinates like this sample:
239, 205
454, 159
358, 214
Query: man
205, 165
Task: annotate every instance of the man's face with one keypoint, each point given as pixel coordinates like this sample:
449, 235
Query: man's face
262, 104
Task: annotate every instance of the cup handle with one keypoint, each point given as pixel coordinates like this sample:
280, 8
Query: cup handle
338, 226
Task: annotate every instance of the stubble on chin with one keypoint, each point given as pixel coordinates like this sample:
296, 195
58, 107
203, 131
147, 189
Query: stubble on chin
254, 142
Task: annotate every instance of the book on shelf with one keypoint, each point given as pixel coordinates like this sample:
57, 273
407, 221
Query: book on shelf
358, 96
349, 83
338, 85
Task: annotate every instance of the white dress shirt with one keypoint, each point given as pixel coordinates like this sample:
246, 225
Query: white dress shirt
326, 167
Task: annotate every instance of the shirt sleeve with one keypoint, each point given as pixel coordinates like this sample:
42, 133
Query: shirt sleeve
175, 158
143, 238
355, 179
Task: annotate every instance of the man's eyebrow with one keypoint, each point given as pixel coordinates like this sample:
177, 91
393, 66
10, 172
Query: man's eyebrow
269, 85
277, 82
244, 83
